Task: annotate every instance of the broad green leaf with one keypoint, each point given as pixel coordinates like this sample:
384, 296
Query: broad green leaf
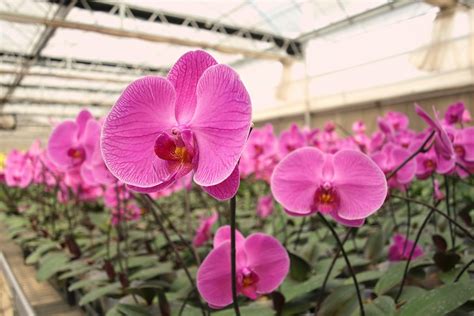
141, 261
77, 270
99, 292
299, 268
382, 305
292, 289
439, 301
394, 275
365, 276
341, 302
36, 255
86, 283
149, 273
133, 310
254, 309
51, 264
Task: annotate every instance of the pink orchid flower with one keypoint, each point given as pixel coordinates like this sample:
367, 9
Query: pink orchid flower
454, 113
72, 142
398, 251
358, 127
262, 265
265, 206
443, 144
203, 233
463, 145
347, 185
197, 119
290, 140
389, 158
18, 169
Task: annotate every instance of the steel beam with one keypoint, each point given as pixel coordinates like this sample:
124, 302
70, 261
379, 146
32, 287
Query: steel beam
290, 46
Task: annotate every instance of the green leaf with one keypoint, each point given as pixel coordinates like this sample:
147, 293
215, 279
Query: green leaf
149, 273
97, 293
77, 270
133, 310
51, 264
382, 305
141, 261
292, 289
38, 253
365, 276
341, 302
86, 283
394, 275
254, 309
375, 245
299, 268
439, 301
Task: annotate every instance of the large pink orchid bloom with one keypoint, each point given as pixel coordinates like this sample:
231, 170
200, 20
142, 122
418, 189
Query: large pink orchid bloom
197, 119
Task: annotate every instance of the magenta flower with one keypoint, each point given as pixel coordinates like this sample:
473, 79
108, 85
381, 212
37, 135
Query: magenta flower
265, 206
197, 119
398, 251
347, 185
72, 142
18, 169
358, 127
454, 113
262, 142
262, 265
463, 145
203, 233
389, 158
443, 144
290, 140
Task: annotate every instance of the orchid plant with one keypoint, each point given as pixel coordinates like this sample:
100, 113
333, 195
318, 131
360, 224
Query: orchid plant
131, 207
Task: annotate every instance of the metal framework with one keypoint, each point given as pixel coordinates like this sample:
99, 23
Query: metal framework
80, 64
290, 46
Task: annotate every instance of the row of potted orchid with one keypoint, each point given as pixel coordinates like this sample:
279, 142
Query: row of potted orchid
173, 204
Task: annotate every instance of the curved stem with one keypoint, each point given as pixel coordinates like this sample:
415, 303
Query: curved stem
418, 235
463, 270
348, 263
408, 222
148, 200
448, 208
331, 266
233, 263
420, 149
464, 230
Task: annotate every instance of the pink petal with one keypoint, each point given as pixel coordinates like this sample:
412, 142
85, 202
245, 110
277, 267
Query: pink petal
143, 111
295, 179
227, 188
220, 124
360, 184
63, 137
405, 174
81, 120
158, 187
184, 76
90, 137
347, 222
268, 259
223, 234
214, 277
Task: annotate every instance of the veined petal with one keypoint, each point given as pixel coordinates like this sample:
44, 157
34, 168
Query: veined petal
295, 179
143, 111
214, 277
221, 124
81, 120
184, 76
268, 259
227, 188
360, 183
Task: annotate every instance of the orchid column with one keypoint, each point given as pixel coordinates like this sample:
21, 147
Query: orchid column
195, 120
